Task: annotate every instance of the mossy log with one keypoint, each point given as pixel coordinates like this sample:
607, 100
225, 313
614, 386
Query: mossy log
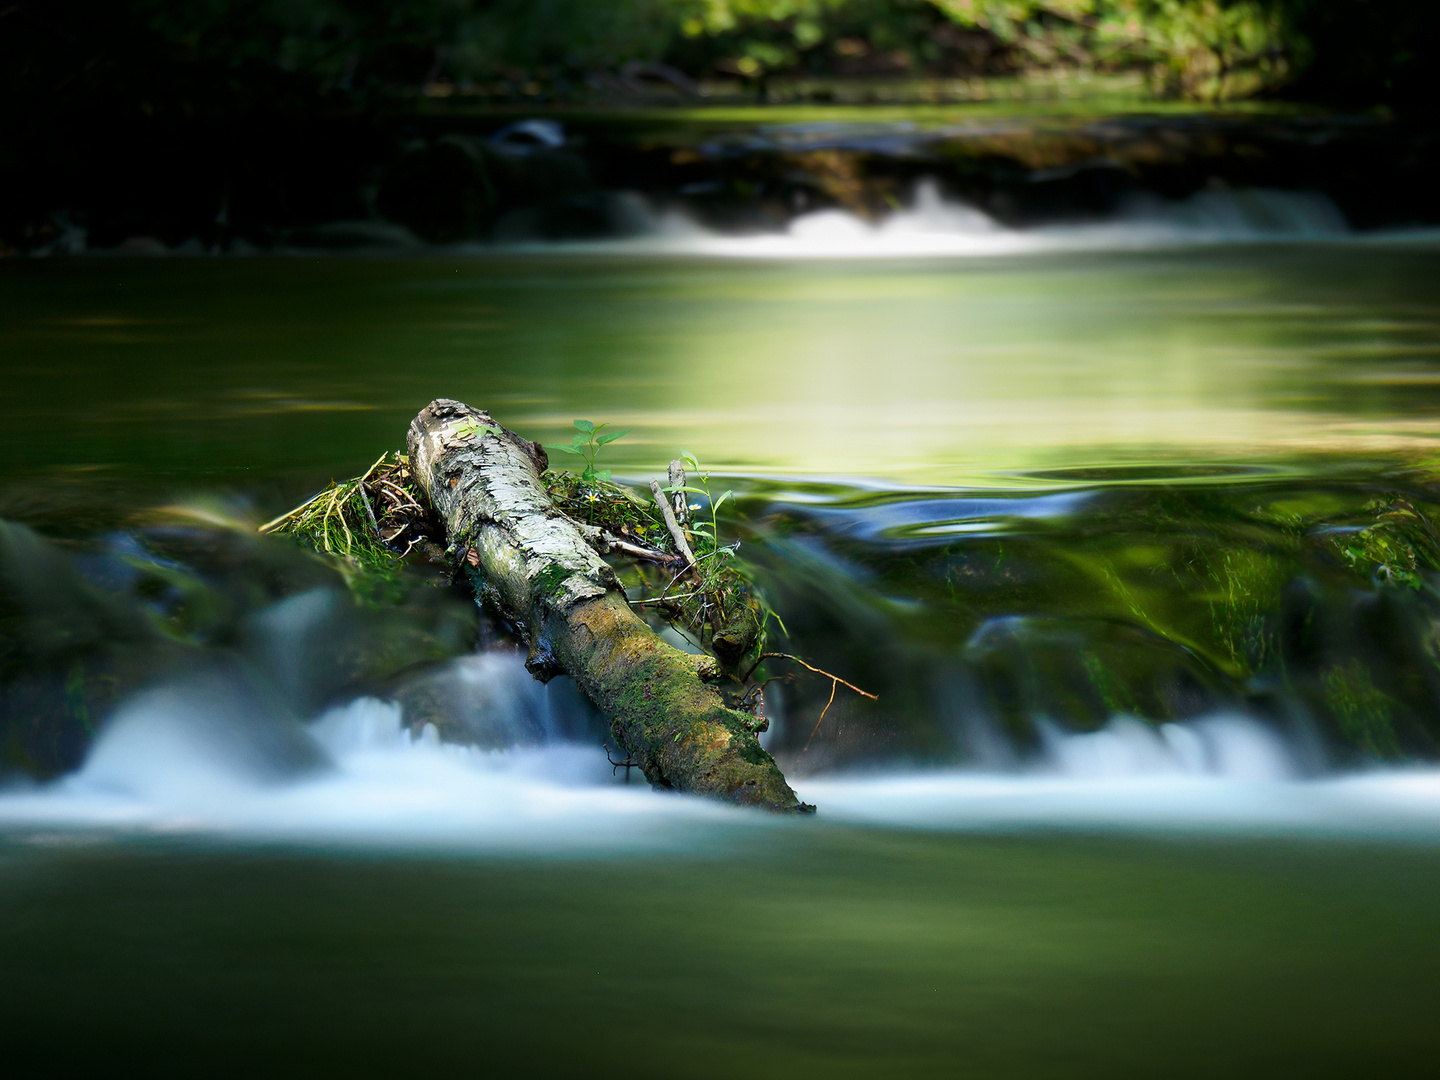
534, 563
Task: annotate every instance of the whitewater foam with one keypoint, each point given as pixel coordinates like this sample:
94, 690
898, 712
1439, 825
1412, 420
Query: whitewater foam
163, 765
195, 758
935, 226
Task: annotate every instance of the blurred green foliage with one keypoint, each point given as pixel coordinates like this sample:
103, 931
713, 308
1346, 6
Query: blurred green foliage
1208, 48
214, 56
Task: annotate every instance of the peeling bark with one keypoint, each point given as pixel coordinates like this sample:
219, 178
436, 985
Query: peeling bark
535, 564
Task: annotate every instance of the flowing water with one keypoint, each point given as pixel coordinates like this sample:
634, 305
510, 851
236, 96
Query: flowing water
1130, 526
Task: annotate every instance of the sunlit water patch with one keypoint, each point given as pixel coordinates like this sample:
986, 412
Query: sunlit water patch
932, 371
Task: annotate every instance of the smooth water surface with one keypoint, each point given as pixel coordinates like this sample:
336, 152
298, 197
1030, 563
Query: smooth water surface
947, 371
832, 952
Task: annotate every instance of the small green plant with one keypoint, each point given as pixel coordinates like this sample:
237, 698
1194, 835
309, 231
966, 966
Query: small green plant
470, 427
587, 443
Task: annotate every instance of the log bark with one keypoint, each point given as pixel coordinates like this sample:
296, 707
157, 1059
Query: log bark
535, 565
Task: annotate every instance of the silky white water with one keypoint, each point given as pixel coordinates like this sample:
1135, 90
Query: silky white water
198, 758
933, 225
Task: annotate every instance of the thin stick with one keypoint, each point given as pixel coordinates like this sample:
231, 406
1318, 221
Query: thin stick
374, 525
372, 468
638, 552
402, 493
627, 764
818, 671
834, 683
658, 599
364, 499
676, 533
729, 550
269, 525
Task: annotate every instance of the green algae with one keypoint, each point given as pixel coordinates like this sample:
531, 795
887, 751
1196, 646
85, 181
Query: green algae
1396, 544
550, 582
1364, 712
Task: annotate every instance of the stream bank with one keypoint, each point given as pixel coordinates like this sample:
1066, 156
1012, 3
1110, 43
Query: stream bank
412, 180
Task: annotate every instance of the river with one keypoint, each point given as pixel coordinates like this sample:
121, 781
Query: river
1125, 524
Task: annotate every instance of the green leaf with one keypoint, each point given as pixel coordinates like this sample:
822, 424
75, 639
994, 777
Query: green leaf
603, 439
579, 440
715, 506
689, 459
603, 474
589, 474
562, 449
584, 425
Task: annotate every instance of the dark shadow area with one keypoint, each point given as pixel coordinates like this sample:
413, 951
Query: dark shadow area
343, 125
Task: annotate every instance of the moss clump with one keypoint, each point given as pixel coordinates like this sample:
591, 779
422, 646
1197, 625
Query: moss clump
1396, 545
550, 579
609, 506
1362, 710
1245, 586
365, 527
720, 611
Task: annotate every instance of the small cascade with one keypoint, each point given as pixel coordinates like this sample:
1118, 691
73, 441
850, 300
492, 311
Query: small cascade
933, 225
1223, 747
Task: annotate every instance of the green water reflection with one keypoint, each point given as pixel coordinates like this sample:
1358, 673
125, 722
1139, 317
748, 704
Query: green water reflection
826, 952
941, 371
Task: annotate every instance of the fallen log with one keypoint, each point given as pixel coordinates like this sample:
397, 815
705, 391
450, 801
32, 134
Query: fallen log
534, 564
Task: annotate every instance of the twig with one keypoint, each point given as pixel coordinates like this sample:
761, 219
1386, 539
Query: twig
676, 533
818, 671
374, 525
372, 468
835, 683
364, 499
270, 525
659, 599
789, 676
627, 764
402, 493
638, 552
728, 550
